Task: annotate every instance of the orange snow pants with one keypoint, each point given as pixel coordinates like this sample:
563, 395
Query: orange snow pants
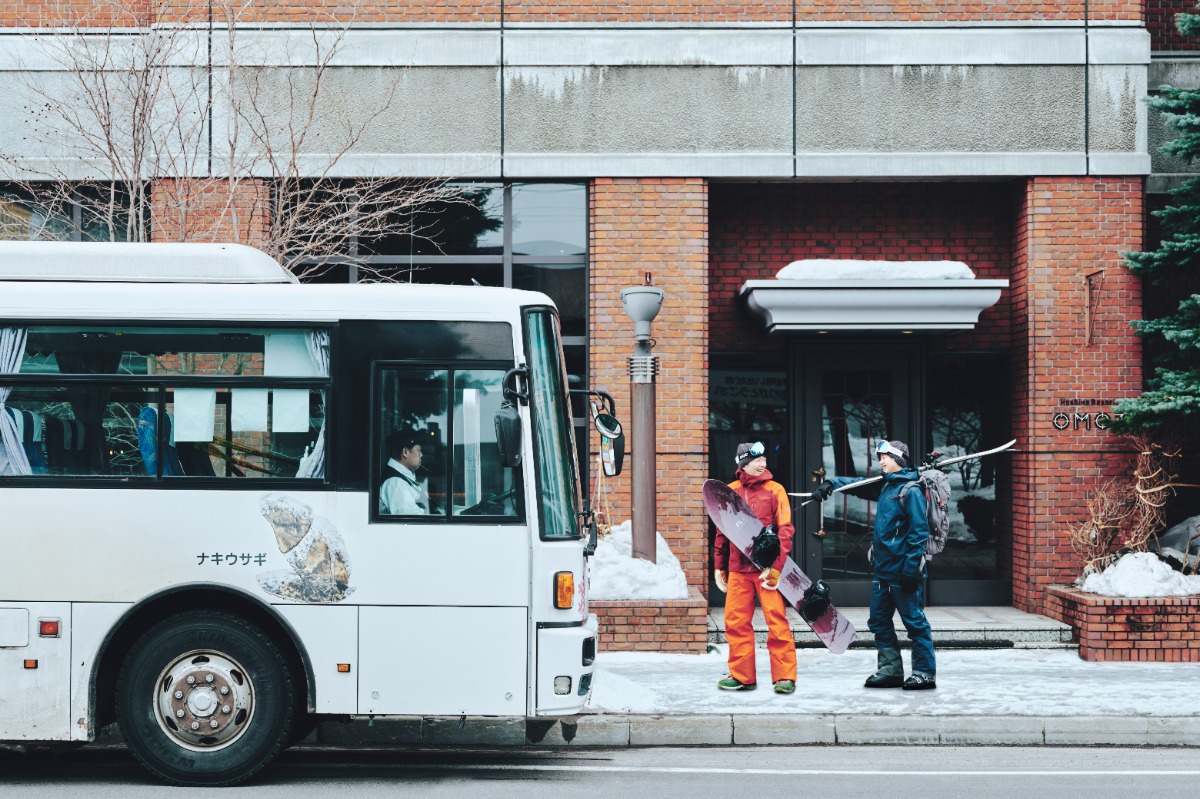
739, 629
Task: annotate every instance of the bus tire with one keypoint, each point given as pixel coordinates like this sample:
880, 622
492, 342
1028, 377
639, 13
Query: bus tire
205, 699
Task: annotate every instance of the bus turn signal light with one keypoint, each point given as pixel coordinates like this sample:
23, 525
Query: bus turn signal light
48, 628
31, 664
564, 590
343, 668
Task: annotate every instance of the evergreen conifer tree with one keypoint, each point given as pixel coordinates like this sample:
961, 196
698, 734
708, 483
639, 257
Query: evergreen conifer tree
1172, 394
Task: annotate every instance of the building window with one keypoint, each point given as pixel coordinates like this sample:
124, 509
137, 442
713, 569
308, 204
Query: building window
86, 213
747, 401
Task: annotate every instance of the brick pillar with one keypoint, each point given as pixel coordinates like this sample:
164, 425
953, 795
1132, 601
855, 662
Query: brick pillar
203, 210
658, 225
1066, 229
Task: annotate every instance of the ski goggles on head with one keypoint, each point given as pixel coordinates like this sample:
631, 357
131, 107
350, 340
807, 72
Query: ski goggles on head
883, 447
757, 450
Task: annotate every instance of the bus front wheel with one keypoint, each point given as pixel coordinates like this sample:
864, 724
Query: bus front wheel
204, 699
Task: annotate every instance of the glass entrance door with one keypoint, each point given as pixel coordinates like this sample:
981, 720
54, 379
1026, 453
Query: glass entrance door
848, 403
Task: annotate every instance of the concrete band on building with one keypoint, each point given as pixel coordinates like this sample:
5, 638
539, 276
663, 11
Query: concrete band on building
713, 145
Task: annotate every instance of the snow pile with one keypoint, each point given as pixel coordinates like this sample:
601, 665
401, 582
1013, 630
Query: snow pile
835, 269
1141, 574
616, 574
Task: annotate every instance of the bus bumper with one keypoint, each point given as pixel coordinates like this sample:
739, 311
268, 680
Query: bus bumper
565, 662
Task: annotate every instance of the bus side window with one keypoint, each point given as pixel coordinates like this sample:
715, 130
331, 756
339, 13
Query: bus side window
165, 416
241, 432
483, 486
412, 456
84, 430
437, 455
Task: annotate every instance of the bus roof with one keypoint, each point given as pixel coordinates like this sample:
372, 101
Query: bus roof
110, 302
120, 262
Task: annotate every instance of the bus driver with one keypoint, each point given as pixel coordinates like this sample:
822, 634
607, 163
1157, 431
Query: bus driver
401, 494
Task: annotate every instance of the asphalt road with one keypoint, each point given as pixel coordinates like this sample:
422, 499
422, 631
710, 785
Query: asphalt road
820, 771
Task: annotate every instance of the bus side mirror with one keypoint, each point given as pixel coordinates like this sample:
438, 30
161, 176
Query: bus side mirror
612, 445
612, 437
508, 434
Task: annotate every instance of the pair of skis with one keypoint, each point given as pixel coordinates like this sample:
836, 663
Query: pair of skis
931, 462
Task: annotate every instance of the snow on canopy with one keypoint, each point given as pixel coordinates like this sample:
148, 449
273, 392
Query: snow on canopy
1140, 574
835, 269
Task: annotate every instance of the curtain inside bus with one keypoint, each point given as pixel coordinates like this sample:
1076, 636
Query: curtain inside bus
12, 351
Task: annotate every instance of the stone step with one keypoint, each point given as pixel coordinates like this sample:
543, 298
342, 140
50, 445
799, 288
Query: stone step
953, 628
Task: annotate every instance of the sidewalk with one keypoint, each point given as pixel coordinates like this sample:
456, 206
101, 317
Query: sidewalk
1018, 697
999, 697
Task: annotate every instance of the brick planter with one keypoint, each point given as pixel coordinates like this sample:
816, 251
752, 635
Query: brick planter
646, 625
1120, 628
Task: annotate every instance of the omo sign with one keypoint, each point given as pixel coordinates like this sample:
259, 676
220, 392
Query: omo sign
1083, 414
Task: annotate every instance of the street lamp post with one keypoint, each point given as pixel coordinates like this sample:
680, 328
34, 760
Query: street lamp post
642, 304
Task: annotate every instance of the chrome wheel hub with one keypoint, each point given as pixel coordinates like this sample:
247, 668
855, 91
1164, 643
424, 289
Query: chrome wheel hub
204, 701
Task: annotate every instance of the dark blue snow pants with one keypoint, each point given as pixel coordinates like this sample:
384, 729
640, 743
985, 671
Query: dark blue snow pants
886, 599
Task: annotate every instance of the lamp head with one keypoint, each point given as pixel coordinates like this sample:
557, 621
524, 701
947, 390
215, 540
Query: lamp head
642, 304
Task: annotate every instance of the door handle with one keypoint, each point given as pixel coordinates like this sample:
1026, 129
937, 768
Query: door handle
819, 477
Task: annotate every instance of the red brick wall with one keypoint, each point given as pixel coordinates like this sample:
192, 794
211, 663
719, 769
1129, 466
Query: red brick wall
588, 11
667, 625
1116, 628
1067, 227
1160, 21
657, 225
80, 13
216, 210
129, 12
950, 11
758, 229
634, 11
370, 11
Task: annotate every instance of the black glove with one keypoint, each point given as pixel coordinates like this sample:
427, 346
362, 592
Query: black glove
910, 583
824, 491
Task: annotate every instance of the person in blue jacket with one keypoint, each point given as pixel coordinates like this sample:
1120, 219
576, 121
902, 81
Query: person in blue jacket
898, 558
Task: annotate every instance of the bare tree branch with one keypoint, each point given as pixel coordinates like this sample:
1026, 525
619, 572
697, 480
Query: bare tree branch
1125, 517
132, 108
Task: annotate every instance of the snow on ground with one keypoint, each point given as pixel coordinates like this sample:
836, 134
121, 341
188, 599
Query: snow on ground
845, 269
1018, 682
1141, 574
616, 574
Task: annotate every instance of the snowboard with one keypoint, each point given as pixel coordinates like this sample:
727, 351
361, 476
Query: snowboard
737, 522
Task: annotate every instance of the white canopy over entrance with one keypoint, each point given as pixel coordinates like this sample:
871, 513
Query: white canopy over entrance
847, 295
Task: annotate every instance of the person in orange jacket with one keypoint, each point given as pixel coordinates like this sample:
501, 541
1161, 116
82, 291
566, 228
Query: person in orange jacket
742, 581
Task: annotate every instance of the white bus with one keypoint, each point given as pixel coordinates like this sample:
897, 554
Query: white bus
231, 504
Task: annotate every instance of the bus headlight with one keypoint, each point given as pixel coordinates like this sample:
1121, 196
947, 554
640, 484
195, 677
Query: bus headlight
562, 685
564, 590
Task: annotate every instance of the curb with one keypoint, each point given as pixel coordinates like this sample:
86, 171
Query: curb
742, 729
746, 729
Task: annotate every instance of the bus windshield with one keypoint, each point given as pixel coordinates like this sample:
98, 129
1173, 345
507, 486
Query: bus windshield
553, 437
